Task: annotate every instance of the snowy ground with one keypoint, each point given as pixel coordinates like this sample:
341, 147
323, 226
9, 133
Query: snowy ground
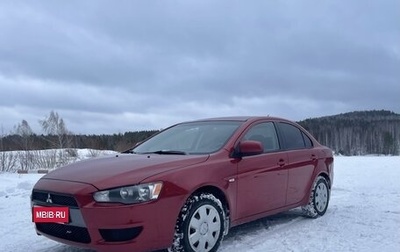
364, 215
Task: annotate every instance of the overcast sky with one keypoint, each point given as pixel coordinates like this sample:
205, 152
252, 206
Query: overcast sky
117, 66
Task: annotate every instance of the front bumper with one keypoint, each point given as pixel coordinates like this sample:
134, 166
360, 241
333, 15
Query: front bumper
105, 227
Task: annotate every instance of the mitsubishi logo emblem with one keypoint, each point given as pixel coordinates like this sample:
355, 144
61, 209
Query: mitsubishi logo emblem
49, 199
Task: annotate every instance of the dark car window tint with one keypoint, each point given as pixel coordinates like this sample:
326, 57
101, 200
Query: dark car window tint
292, 135
264, 133
307, 140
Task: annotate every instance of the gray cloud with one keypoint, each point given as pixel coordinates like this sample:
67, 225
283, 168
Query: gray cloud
111, 67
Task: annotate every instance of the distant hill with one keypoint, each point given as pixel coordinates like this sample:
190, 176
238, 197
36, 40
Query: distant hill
358, 133
354, 133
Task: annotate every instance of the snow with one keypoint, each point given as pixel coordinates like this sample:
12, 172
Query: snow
364, 215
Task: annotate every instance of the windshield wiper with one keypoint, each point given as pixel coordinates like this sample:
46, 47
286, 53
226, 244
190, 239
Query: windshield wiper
166, 152
129, 151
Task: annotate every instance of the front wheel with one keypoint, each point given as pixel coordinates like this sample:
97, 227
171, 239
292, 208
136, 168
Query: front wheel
319, 198
200, 225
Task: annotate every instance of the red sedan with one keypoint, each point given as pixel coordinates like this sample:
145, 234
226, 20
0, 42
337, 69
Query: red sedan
183, 188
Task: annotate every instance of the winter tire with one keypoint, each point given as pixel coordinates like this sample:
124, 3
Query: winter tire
200, 225
319, 198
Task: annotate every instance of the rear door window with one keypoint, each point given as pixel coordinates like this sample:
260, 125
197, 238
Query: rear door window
292, 136
307, 141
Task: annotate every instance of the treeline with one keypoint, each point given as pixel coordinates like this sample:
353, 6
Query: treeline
354, 133
358, 133
23, 149
117, 142
57, 136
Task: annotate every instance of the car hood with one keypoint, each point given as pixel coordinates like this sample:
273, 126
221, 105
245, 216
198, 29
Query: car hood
121, 169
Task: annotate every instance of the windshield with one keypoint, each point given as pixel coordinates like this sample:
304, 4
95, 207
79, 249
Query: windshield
190, 138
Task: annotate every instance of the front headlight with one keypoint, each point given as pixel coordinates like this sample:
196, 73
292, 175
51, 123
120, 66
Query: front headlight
130, 194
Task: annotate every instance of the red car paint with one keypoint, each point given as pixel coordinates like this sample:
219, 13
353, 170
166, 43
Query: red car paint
251, 187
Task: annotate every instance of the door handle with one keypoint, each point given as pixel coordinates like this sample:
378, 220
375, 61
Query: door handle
313, 157
281, 162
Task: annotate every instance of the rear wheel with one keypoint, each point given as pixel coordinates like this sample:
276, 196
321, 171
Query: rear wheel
319, 199
200, 225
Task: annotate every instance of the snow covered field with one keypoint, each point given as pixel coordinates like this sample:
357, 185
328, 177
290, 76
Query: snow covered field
364, 215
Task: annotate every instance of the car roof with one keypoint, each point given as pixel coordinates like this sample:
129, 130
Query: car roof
240, 118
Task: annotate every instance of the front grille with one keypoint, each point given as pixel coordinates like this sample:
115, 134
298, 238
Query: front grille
56, 198
71, 233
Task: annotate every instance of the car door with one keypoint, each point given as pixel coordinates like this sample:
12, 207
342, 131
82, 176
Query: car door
302, 160
262, 179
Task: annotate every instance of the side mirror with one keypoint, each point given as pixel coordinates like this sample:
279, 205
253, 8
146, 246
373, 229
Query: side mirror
248, 148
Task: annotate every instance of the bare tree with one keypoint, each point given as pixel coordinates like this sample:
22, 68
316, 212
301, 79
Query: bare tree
1, 138
25, 141
25, 132
58, 135
45, 159
8, 160
93, 153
